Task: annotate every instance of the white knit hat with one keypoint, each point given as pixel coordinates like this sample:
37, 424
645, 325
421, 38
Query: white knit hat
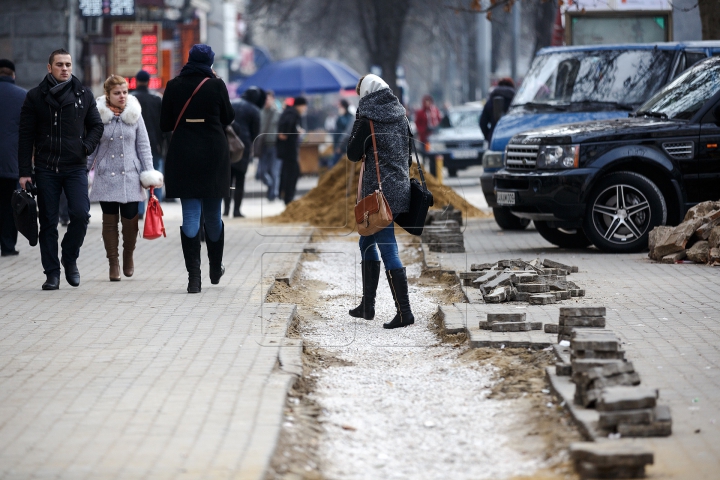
372, 83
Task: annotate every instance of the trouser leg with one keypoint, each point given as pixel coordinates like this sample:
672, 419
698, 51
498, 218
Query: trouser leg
49, 187
239, 188
8, 231
293, 173
75, 186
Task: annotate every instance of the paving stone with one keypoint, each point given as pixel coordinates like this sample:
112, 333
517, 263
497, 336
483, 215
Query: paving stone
496, 296
597, 344
581, 321
608, 366
505, 278
562, 295
546, 278
582, 311
541, 299
551, 328
506, 317
619, 355
512, 264
610, 420
655, 429
570, 329
533, 287
587, 470
536, 325
511, 327
627, 398
468, 275
563, 369
553, 264
491, 275
522, 297
526, 277
618, 453
577, 292
477, 267
485, 325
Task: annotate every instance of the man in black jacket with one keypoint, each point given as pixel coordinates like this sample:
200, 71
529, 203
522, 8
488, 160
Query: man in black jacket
60, 121
488, 118
288, 142
247, 127
151, 106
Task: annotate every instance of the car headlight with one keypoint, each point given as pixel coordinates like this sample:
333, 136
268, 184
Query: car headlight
558, 156
492, 159
437, 146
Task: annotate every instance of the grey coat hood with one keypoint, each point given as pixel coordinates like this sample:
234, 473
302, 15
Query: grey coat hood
381, 106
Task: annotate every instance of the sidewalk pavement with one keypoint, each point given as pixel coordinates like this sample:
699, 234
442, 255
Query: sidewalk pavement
137, 378
668, 317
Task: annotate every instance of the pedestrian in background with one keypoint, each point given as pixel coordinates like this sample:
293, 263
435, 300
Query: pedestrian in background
379, 105
197, 169
11, 98
151, 106
247, 127
506, 91
340, 134
123, 165
427, 118
270, 165
60, 121
288, 144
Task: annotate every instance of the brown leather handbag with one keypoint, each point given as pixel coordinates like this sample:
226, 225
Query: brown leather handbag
372, 213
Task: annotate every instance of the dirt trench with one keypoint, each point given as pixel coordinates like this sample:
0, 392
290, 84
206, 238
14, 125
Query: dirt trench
517, 378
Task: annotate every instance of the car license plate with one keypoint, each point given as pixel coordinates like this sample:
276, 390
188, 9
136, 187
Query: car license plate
464, 154
505, 198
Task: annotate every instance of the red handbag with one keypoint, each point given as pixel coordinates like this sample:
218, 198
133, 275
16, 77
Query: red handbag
154, 226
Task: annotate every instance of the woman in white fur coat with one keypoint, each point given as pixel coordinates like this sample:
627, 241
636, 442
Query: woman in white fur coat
123, 168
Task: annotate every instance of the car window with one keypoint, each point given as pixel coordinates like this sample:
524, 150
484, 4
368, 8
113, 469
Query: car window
683, 97
620, 76
464, 118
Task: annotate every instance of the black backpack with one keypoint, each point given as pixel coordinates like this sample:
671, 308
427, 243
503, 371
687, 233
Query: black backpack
24, 208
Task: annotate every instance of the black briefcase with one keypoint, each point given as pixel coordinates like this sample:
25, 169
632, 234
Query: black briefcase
25, 213
421, 199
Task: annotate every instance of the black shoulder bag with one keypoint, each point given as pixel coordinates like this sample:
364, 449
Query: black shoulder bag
421, 199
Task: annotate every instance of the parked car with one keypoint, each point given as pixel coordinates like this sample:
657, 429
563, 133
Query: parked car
582, 83
458, 139
610, 182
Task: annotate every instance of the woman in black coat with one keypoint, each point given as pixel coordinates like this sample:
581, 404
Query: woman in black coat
379, 105
197, 167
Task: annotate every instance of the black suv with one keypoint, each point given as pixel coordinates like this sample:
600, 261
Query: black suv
611, 182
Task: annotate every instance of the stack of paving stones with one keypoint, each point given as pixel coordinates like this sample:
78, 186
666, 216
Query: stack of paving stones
442, 231
574, 318
538, 282
633, 412
610, 459
509, 322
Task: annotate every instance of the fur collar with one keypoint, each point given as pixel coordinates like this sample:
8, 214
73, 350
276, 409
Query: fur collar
130, 115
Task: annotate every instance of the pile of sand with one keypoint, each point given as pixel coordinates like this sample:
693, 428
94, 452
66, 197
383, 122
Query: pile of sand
330, 204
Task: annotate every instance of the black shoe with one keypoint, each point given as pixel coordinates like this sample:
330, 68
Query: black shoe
191, 252
370, 279
72, 274
238, 215
9, 253
215, 255
51, 283
399, 287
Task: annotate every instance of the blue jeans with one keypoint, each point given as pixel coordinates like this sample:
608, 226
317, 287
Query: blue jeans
270, 167
74, 182
159, 165
385, 241
210, 208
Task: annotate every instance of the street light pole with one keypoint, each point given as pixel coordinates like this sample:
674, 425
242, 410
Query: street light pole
515, 40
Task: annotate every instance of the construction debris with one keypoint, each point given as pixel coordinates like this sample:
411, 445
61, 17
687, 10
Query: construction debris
538, 282
442, 232
509, 322
697, 238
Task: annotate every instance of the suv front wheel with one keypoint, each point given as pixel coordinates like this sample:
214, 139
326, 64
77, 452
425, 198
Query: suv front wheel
622, 209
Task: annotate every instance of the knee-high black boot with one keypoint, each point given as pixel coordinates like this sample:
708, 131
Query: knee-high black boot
370, 279
215, 255
399, 286
191, 251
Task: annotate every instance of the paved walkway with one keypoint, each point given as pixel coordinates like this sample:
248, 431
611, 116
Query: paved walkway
667, 315
138, 379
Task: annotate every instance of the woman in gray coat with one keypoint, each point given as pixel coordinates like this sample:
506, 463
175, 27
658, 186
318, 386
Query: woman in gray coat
379, 105
123, 167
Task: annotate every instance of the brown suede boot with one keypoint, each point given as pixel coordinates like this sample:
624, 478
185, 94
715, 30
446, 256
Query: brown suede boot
129, 234
111, 238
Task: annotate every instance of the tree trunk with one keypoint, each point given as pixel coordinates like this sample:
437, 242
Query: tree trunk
710, 19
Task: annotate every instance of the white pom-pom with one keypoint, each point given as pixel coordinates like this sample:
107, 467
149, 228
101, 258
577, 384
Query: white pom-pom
151, 178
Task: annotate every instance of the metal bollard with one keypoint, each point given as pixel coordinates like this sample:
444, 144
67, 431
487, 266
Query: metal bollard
439, 161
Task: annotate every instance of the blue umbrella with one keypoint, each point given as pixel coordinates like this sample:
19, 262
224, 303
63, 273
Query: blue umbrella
302, 75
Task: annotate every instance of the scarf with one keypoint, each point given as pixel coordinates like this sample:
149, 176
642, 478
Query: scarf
193, 68
58, 88
116, 110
